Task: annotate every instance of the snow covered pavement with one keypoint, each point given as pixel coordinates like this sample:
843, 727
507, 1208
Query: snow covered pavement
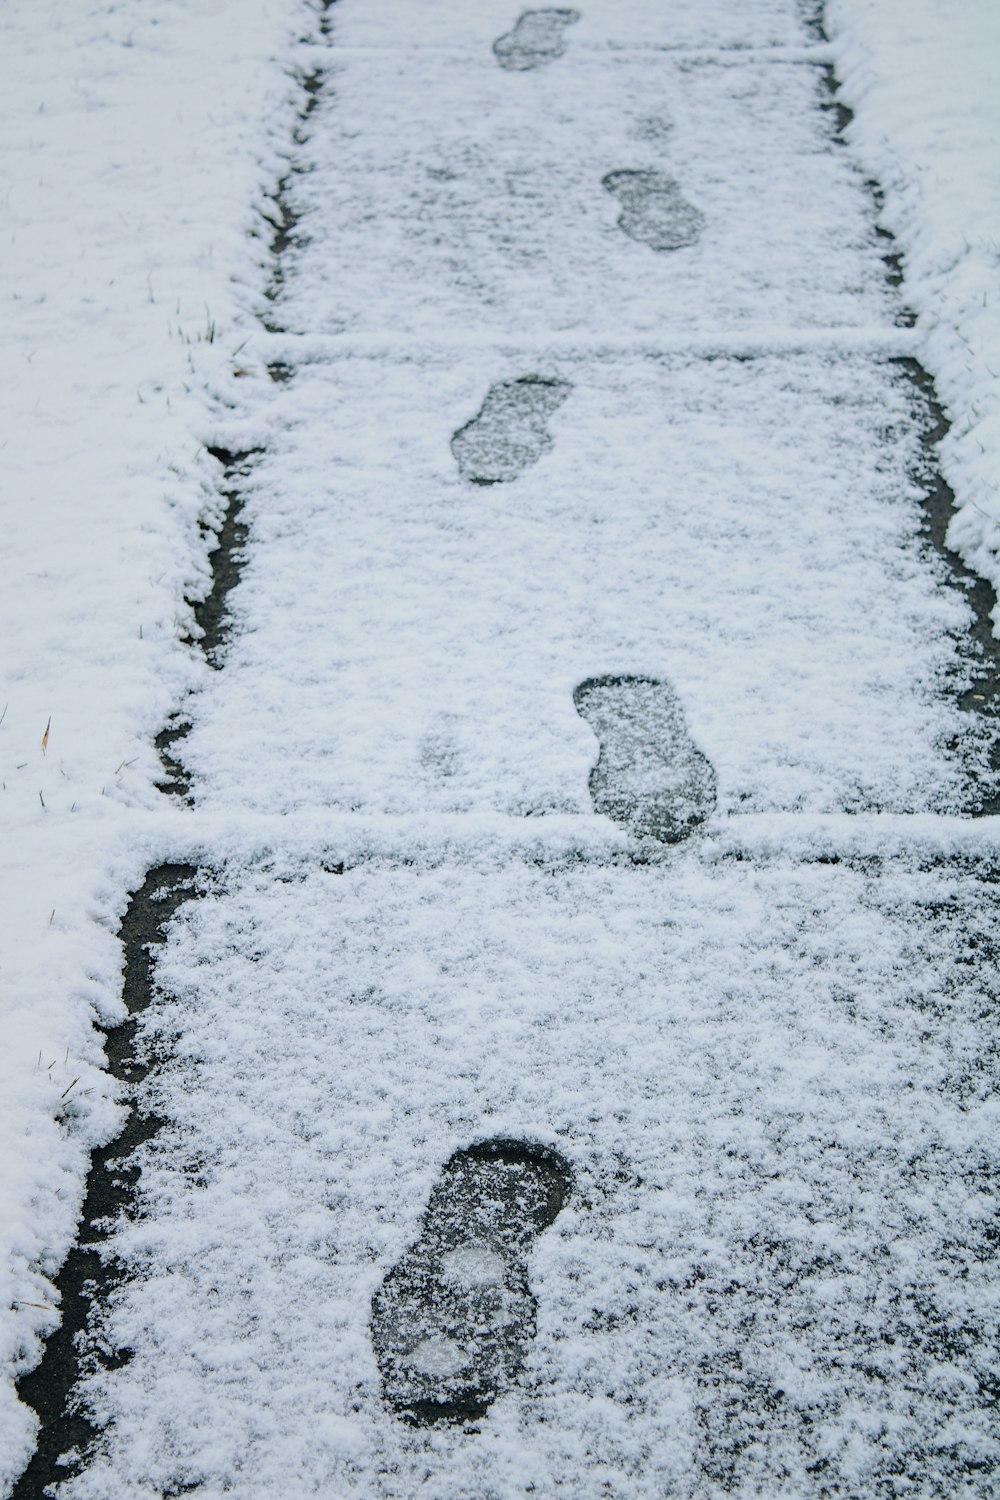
769, 1082
582, 373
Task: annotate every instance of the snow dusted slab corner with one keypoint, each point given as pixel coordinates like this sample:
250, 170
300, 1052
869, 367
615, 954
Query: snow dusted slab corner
137, 140
921, 78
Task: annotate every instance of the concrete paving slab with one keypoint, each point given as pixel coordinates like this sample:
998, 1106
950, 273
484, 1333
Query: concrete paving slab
448, 194
748, 530
771, 1086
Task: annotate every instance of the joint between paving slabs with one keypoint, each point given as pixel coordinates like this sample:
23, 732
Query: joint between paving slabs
89, 1274
227, 559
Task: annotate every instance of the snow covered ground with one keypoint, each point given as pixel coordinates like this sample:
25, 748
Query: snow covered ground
922, 80
768, 1074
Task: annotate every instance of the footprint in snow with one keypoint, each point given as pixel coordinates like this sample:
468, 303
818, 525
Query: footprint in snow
650, 776
536, 39
653, 209
509, 433
452, 1319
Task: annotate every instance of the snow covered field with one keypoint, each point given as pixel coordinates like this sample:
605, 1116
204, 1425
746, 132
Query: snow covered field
768, 1074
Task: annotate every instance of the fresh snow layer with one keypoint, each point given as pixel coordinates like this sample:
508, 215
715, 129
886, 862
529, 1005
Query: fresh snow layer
485, 212
745, 528
392, 25
136, 141
922, 80
774, 1083
770, 1076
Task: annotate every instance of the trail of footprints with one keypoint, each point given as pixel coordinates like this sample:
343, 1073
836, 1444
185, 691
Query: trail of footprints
452, 1319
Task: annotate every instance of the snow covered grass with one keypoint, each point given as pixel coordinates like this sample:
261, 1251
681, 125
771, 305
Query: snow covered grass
921, 79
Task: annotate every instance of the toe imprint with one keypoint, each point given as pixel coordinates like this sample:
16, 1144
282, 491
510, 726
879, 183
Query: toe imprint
653, 209
538, 38
650, 776
452, 1319
509, 433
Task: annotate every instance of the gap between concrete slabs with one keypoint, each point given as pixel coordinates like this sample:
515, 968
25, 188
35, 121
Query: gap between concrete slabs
88, 1278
